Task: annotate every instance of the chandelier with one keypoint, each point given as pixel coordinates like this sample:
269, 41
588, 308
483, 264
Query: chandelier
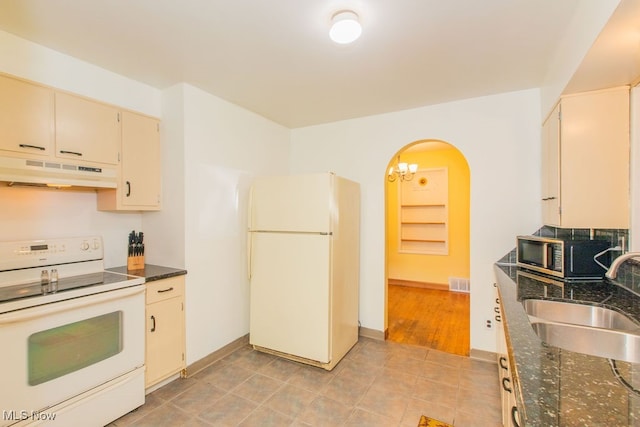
404, 171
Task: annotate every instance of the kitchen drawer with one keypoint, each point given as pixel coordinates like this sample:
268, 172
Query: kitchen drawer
161, 290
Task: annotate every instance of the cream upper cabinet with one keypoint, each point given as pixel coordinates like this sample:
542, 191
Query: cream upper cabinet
86, 130
140, 174
140, 160
26, 117
585, 161
551, 169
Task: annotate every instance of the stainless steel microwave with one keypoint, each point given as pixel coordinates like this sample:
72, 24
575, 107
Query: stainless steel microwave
563, 258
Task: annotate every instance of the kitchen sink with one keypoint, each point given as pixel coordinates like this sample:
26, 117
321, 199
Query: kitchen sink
612, 344
578, 314
583, 328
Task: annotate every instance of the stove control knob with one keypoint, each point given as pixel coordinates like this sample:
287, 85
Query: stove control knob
84, 246
96, 244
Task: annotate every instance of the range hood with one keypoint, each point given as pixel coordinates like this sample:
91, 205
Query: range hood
52, 173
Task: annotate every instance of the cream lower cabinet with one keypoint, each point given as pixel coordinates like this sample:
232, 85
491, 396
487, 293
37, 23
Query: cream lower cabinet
165, 334
139, 184
585, 161
510, 416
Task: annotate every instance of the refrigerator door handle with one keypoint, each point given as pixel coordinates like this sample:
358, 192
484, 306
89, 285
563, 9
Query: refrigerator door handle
249, 228
249, 248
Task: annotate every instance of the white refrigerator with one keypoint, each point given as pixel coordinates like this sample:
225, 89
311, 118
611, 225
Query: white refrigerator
304, 256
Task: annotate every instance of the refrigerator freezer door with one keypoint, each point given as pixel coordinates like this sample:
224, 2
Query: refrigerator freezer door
290, 294
292, 203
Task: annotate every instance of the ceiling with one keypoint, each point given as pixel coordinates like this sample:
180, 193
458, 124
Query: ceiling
614, 58
275, 57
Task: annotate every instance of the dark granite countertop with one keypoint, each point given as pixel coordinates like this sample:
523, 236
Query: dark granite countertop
151, 272
556, 387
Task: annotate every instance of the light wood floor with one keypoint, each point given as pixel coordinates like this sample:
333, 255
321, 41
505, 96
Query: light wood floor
432, 318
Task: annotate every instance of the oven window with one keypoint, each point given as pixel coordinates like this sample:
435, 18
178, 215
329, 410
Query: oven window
68, 348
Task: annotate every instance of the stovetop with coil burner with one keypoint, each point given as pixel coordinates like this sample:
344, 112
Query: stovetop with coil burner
78, 262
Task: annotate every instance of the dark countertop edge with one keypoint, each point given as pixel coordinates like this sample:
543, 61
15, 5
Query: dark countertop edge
150, 272
533, 362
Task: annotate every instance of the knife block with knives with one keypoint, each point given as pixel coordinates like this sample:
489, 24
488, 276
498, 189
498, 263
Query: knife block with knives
135, 251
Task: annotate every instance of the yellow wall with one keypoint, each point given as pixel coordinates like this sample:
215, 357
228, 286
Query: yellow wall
433, 268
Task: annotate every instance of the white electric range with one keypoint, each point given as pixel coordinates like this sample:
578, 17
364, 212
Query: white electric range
73, 349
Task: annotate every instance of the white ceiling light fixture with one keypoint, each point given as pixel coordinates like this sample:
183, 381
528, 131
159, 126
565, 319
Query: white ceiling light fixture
345, 27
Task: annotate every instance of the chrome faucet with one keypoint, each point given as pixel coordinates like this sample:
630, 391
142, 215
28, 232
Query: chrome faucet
612, 273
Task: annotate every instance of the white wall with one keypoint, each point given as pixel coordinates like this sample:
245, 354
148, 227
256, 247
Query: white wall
34, 62
224, 147
165, 229
587, 23
28, 213
499, 136
34, 213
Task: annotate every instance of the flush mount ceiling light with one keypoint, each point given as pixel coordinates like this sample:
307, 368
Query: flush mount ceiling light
345, 27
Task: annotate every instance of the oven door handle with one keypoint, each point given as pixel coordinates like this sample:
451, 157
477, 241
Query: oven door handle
58, 307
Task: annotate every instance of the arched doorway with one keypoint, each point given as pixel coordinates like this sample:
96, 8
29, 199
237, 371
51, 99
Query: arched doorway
427, 249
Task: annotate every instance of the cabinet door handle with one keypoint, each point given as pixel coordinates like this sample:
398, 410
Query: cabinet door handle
514, 414
498, 318
128, 188
504, 384
36, 147
548, 198
165, 290
503, 363
496, 309
153, 320
75, 153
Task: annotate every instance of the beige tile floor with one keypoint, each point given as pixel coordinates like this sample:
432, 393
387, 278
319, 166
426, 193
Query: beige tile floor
378, 383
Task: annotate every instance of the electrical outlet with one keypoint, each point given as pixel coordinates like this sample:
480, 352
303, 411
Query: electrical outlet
489, 324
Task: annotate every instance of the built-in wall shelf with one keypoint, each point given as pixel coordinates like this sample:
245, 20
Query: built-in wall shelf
424, 213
